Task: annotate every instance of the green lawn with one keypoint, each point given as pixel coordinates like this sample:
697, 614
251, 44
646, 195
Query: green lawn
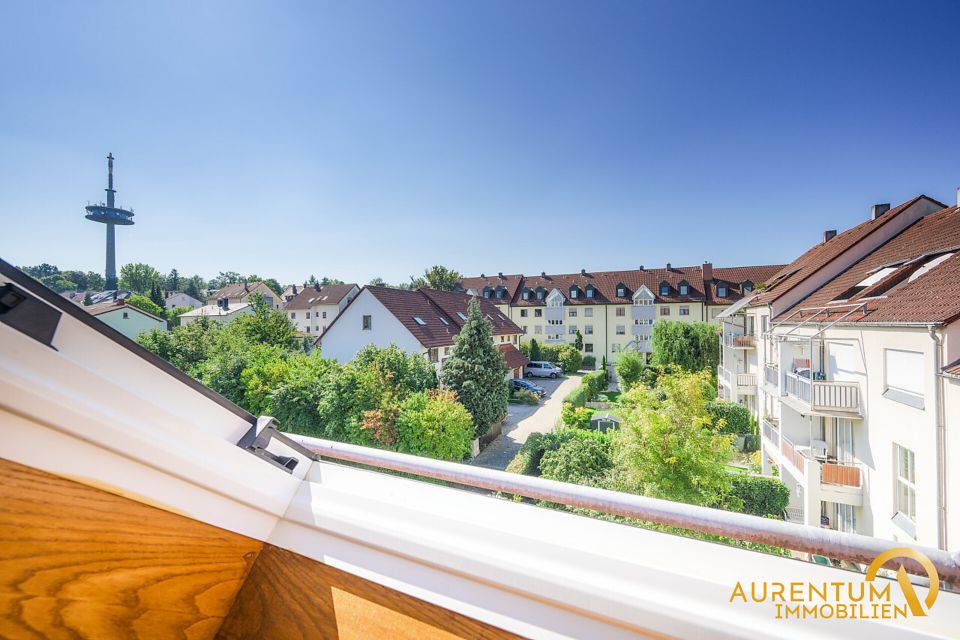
608, 396
734, 469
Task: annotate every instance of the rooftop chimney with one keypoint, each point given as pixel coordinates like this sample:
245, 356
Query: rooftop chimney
668, 266
707, 270
316, 286
583, 272
115, 294
829, 234
879, 209
294, 289
246, 287
500, 274
641, 268
483, 275
543, 274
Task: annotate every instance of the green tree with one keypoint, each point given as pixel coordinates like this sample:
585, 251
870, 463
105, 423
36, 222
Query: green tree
667, 447
730, 417
578, 341
274, 285
580, 461
156, 295
173, 315
476, 371
196, 288
535, 354
761, 496
145, 303
139, 278
187, 347
693, 346
58, 283
225, 278
437, 277
327, 280
629, 367
87, 299
435, 425
174, 281
265, 326
41, 270
78, 277
377, 282
95, 281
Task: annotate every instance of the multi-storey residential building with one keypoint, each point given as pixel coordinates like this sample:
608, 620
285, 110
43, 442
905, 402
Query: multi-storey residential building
615, 311
844, 361
424, 321
315, 307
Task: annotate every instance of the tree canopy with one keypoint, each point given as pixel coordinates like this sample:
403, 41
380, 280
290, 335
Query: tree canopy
139, 278
693, 346
436, 277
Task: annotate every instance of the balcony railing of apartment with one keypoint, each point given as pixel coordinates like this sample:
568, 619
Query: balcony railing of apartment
772, 375
725, 375
847, 474
746, 380
793, 455
771, 431
794, 514
829, 395
737, 341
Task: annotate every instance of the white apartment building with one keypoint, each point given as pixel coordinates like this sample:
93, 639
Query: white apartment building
313, 308
849, 361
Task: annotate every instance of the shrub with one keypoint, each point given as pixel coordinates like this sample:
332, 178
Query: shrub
531, 453
579, 396
434, 424
569, 359
693, 346
576, 417
523, 396
761, 496
581, 461
736, 417
595, 381
146, 304
629, 367
752, 443
589, 362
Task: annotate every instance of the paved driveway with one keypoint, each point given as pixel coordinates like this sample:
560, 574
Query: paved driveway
523, 419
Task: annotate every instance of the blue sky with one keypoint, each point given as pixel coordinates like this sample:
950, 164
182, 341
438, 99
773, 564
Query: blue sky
363, 139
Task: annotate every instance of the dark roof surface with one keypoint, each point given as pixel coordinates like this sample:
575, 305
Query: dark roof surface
322, 294
734, 276
513, 357
116, 305
240, 291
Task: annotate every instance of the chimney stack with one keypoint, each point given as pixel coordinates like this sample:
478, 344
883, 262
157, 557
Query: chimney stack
583, 272
482, 275
294, 289
316, 286
878, 210
641, 268
707, 270
500, 274
543, 274
829, 234
668, 266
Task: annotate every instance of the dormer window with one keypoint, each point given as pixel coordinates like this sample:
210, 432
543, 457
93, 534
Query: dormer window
745, 287
722, 290
664, 288
684, 288
591, 290
574, 292
501, 292
526, 294
541, 293
486, 292
621, 290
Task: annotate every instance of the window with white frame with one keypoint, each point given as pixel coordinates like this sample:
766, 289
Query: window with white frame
572, 330
684, 311
293, 315
621, 311
308, 315
903, 377
588, 347
572, 313
538, 313
538, 329
588, 312
906, 498
614, 347
367, 323
664, 311
523, 313
621, 329
588, 330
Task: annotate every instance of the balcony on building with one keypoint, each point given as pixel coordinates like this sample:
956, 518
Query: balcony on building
817, 396
733, 340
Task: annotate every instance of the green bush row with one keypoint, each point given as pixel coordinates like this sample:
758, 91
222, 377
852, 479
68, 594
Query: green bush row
761, 496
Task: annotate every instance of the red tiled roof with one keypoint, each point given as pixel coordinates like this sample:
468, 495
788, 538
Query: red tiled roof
606, 283
320, 294
931, 297
439, 311
734, 276
513, 357
509, 282
821, 254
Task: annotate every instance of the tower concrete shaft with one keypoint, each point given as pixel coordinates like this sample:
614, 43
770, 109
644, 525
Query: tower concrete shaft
110, 215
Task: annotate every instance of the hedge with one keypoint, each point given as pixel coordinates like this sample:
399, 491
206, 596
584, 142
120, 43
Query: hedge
580, 396
737, 416
589, 362
762, 496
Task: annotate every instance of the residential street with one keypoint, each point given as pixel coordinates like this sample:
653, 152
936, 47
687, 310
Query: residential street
524, 420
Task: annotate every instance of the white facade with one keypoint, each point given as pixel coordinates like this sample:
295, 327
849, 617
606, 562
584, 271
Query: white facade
345, 338
319, 316
180, 299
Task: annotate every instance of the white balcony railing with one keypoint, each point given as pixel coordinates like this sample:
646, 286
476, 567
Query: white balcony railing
792, 454
725, 375
771, 375
823, 395
771, 431
746, 380
794, 514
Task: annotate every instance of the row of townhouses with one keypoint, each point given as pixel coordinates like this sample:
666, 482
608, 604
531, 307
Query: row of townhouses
848, 359
615, 311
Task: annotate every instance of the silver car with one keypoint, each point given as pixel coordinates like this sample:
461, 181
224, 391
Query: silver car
541, 369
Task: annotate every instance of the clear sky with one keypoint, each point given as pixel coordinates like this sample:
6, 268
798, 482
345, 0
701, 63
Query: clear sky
361, 139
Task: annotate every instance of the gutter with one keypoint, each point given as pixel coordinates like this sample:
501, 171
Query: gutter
941, 436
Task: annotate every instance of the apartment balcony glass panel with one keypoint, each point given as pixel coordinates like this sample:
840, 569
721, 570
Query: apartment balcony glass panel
739, 341
642, 312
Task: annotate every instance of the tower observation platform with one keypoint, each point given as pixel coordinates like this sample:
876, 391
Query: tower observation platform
110, 215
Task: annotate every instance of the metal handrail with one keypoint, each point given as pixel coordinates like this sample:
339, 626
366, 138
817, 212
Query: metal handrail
833, 544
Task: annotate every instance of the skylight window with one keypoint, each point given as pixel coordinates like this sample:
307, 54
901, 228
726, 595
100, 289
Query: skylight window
419, 321
869, 281
930, 265
444, 321
462, 317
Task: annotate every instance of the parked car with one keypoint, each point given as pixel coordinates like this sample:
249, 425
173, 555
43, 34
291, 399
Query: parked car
516, 385
541, 369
